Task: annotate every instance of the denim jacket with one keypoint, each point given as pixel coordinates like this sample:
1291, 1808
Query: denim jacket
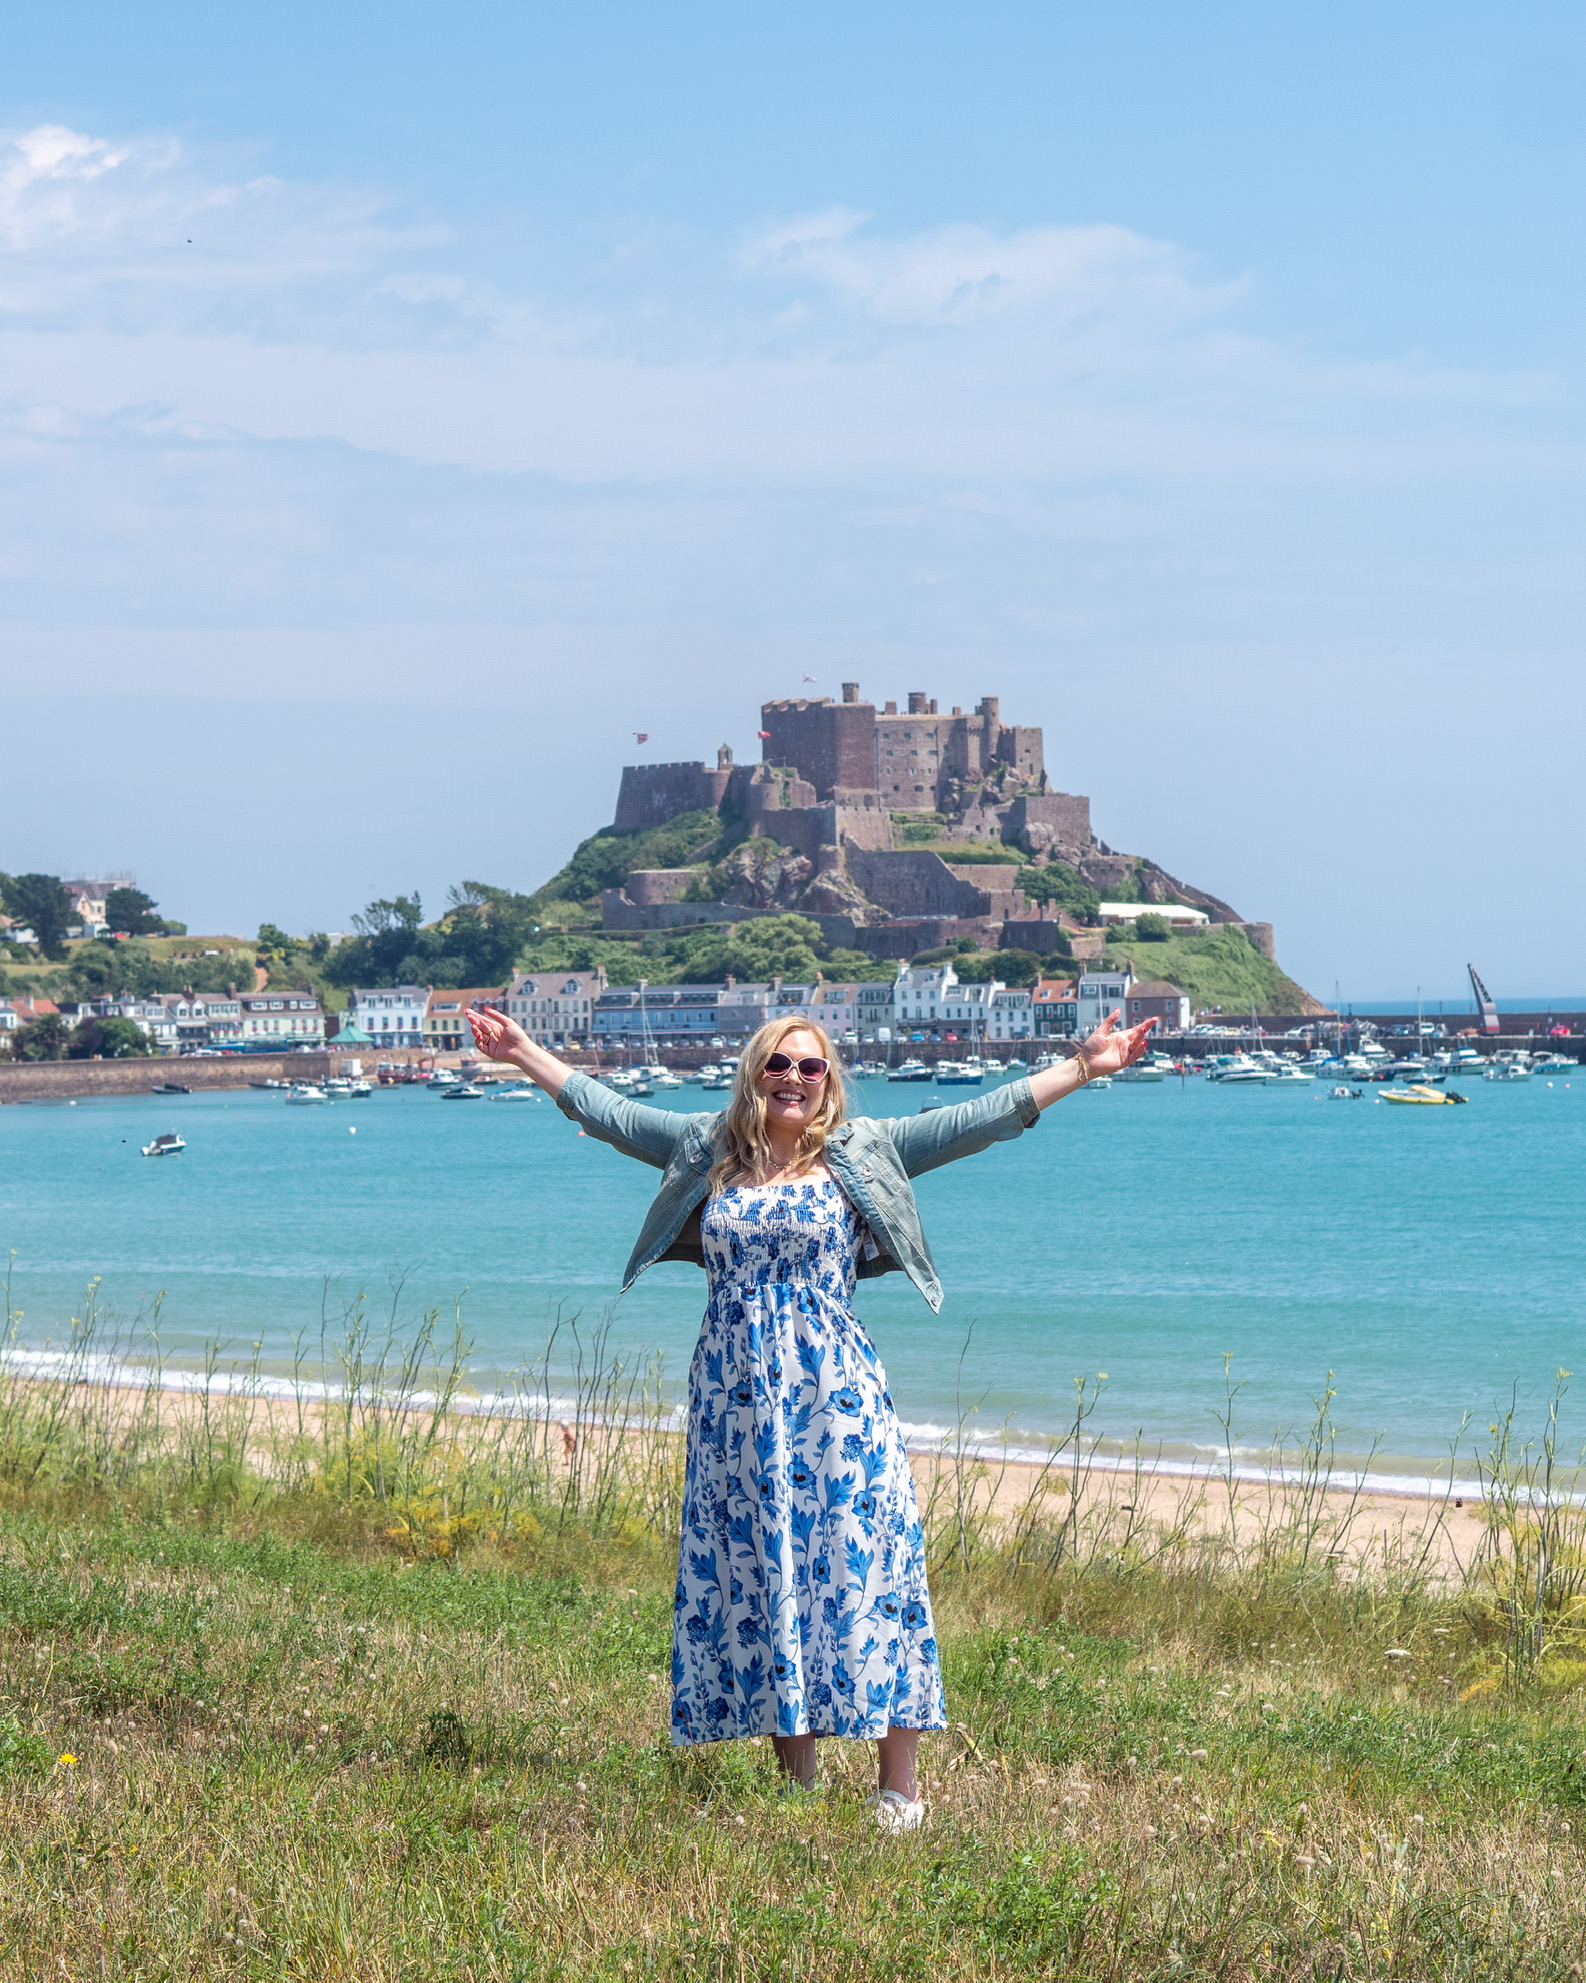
872, 1158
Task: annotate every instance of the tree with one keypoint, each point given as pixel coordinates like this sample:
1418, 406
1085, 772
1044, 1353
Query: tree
271, 938
40, 903
129, 912
1064, 886
115, 1039
755, 951
44, 1038
1152, 927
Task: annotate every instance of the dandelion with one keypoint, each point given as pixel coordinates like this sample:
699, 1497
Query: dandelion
67, 1762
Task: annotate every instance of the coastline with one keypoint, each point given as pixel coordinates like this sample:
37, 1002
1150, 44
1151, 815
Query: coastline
1353, 1518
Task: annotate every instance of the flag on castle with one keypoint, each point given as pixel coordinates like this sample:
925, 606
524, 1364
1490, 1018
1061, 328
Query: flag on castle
764, 736
641, 736
811, 678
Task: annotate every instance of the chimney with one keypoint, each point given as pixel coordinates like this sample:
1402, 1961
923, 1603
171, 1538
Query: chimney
918, 703
890, 710
850, 691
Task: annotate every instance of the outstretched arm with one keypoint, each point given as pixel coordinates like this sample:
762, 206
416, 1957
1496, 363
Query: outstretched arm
1103, 1052
499, 1038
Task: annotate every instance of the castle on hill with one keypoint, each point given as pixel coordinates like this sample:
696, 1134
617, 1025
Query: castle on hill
853, 817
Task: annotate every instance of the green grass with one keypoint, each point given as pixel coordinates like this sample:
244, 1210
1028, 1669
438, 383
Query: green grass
373, 1689
300, 1755
1219, 966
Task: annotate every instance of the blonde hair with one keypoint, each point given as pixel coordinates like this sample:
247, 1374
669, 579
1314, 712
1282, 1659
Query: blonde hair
743, 1147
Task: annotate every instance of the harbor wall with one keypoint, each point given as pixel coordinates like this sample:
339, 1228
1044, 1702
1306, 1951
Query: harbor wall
68, 1080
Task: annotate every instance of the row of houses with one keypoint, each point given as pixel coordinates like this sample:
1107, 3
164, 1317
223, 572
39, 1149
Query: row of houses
173, 1021
567, 1008
561, 1009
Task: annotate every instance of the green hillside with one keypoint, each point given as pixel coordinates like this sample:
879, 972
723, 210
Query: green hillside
1217, 967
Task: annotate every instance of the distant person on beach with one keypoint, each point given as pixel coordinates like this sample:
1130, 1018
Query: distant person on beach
801, 1605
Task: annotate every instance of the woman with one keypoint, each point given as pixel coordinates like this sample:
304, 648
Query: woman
801, 1605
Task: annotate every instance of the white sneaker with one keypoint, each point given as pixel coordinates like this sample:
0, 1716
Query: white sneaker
896, 1813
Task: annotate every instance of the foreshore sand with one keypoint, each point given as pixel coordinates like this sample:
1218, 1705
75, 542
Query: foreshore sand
1108, 1502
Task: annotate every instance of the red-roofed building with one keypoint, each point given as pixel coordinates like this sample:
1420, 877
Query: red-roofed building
1054, 1005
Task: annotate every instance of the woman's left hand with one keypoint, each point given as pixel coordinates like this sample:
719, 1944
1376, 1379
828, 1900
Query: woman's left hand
1107, 1050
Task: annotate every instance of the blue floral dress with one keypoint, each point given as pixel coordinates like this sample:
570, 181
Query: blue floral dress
801, 1602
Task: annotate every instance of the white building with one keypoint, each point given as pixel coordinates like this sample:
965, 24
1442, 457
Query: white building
930, 999
1012, 1014
1101, 992
392, 1016
1175, 912
282, 1019
554, 1007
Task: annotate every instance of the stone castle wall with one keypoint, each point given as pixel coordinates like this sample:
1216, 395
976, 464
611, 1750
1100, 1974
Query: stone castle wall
651, 794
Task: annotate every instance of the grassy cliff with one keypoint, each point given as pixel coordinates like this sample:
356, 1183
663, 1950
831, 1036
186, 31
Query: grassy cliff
1218, 967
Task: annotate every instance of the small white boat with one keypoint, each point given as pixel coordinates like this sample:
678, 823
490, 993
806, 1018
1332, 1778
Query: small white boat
1506, 1070
356, 1090
959, 1074
464, 1091
1347, 1094
516, 1095
717, 1083
442, 1079
1555, 1063
1293, 1076
666, 1079
1098, 1081
1141, 1071
306, 1093
164, 1146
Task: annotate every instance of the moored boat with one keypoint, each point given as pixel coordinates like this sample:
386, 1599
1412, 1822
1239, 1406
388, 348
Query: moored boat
168, 1145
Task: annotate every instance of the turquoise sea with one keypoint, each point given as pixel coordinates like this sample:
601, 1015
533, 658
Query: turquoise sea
1432, 1259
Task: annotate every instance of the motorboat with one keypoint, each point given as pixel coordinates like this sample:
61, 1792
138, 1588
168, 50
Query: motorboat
867, 1070
959, 1074
1555, 1063
516, 1095
1292, 1075
1507, 1067
272, 1083
718, 1083
1236, 1070
306, 1093
1098, 1081
169, 1145
666, 1079
464, 1091
1009, 1065
1342, 1094
442, 1079
168, 1088
1421, 1094
910, 1070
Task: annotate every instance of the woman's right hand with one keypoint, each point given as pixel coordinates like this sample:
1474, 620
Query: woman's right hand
496, 1036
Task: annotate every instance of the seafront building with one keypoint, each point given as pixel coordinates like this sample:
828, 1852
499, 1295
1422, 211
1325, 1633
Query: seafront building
389, 1016
554, 1007
282, 1019
445, 1022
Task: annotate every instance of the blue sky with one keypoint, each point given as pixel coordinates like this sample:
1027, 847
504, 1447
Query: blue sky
398, 412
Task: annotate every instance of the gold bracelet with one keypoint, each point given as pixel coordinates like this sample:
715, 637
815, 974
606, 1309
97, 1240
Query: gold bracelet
1084, 1066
